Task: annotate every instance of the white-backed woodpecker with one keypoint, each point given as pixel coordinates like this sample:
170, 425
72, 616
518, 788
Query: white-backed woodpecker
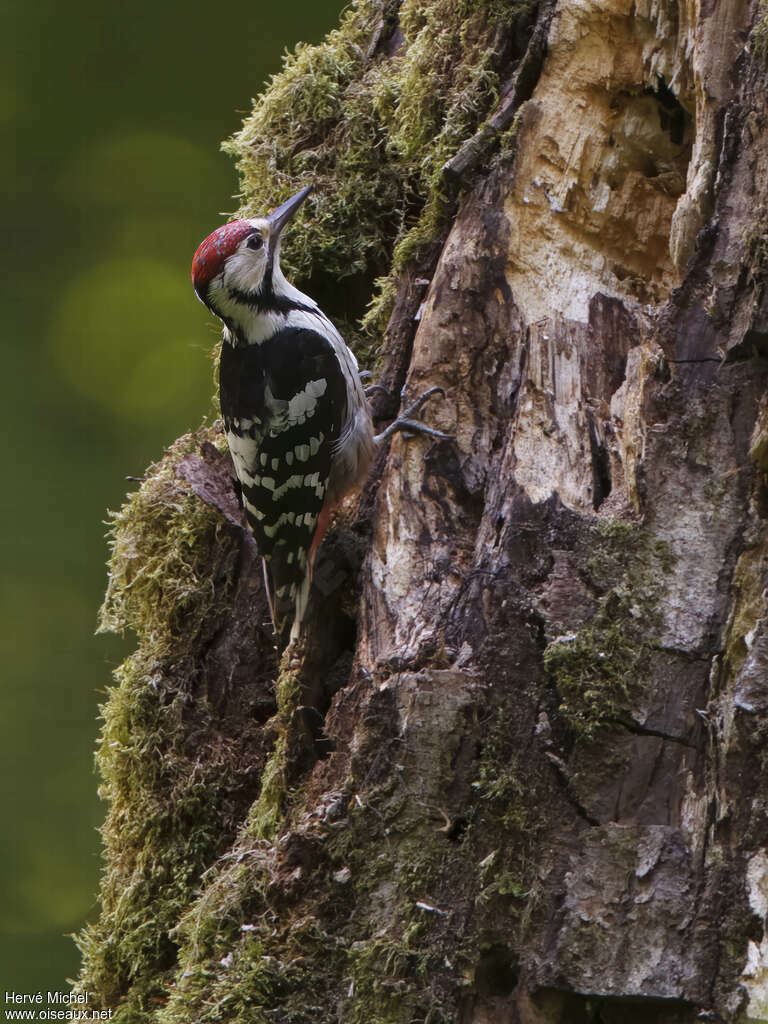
296, 417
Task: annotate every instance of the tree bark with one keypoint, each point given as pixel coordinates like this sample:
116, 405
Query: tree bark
516, 773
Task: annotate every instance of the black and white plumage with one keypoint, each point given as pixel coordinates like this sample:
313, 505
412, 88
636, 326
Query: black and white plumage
296, 417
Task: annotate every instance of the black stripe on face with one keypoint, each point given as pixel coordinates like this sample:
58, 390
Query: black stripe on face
264, 299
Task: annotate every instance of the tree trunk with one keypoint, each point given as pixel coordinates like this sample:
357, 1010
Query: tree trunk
516, 771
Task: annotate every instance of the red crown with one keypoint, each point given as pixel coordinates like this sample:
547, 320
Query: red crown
212, 252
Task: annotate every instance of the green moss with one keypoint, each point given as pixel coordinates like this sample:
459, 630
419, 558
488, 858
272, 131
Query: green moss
748, 607
201, 918
162, 829
352, 918
269, 810
666, 557
619, 531
760, 32
386, 974
599, 669
168, 549
172, 569
265, 934
756, 234
595, 669
758, 447
273, 934
498, 782
372, 133
255, 969
503, 799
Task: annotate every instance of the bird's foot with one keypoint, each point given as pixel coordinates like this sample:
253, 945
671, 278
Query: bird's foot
408, 425
371, 389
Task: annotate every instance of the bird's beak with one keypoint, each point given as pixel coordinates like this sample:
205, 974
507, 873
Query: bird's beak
280, 217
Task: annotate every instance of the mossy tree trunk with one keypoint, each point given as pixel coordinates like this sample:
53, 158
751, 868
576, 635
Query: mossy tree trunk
516, 771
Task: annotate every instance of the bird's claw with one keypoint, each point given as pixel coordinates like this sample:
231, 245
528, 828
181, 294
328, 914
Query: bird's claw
408, 425
415, 408
414, 427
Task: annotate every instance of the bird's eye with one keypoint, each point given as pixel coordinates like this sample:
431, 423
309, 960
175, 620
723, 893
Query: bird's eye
255, 241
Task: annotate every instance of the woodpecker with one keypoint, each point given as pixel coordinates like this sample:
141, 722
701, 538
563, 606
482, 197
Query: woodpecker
296, 416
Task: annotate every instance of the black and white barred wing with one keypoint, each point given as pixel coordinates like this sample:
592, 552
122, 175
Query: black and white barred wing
284, 403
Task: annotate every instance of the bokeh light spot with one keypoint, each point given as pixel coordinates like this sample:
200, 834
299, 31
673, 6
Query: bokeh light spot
129, 336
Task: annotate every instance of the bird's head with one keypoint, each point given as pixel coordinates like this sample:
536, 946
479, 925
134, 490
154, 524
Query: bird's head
240, 261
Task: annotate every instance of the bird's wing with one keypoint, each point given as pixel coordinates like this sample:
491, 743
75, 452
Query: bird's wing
284, 405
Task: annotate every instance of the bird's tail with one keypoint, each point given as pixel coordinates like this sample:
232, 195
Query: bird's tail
288, 601
291, 570
301, 601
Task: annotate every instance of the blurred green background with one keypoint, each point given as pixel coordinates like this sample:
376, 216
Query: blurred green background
112, 117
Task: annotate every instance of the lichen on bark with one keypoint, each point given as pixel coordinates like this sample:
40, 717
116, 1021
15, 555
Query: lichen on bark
514, 772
